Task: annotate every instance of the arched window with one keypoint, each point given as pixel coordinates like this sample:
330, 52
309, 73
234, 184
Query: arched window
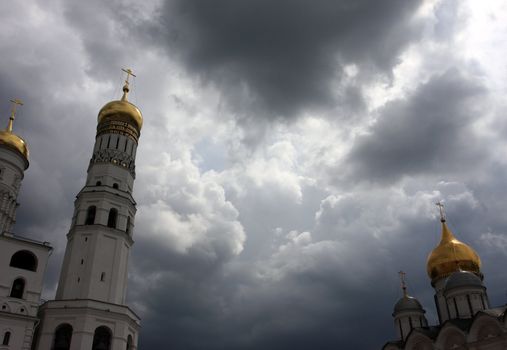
116, 186
111, 219
90, 215
25, 260
98, 183
63, 337
7, 338
18, 287
102, 338
129, 343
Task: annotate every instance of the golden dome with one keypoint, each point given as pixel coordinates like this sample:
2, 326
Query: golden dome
122, 111
9, 139
14, 141
450, 256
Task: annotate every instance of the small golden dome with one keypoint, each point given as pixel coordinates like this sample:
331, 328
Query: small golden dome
450, 256
121, 110
10, 139
14, 141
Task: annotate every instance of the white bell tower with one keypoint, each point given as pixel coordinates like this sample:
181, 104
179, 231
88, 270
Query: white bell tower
89, 312
22, 260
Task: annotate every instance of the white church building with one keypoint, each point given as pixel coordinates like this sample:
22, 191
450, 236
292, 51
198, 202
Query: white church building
89, 311
466, 320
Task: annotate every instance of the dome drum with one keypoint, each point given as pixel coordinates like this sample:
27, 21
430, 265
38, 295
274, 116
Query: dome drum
117, 126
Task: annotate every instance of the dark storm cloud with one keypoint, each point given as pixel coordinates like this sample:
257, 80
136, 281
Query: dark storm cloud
284, 55
431, 131
295, 291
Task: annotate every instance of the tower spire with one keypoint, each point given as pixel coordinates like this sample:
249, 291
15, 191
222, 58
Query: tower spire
15, 103
126, 86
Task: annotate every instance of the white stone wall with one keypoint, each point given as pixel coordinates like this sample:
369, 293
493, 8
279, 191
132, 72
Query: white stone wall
85, 316
94, 251
21, 329
19, 315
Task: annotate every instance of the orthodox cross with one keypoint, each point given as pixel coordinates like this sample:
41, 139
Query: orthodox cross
440, 206
15, 103
129, 73
403, 283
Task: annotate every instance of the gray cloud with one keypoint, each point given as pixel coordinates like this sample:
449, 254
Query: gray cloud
259, 248
428, 132
284, 55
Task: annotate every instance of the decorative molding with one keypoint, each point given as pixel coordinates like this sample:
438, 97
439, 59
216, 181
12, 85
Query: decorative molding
115, 157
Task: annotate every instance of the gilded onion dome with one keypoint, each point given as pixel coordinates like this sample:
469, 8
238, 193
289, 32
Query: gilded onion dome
451, 255
10, 139
121, 115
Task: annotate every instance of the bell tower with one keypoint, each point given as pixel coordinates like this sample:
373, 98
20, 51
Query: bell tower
22, 260
14, 162
89, 310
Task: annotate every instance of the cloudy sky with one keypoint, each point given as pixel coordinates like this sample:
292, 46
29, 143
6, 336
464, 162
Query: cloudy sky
290, 159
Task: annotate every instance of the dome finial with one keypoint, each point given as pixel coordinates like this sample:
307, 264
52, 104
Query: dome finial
440, 206
15, 103
126, 86
403, 283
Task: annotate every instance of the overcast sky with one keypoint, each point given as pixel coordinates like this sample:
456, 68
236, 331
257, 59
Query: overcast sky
291, 154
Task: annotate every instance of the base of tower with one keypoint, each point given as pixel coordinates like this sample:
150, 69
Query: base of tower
85, 317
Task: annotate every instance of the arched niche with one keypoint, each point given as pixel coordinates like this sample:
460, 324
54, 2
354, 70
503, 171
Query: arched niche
63, 337
102, 338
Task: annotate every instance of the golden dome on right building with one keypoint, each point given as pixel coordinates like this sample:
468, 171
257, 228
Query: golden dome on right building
451, 255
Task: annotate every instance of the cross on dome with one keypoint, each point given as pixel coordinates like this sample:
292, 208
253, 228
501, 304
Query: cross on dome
126, 86
440, 206
15, 103
403, 282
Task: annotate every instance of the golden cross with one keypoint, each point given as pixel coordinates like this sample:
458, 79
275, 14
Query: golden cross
440, 206
403, 283
15, 103
129, 73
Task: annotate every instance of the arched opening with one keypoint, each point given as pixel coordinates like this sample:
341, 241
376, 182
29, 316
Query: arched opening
102, 338
90, 215
7, 338
116, 186
18, 288
63, 337
129, 343
98, 183
111, 219
25, 260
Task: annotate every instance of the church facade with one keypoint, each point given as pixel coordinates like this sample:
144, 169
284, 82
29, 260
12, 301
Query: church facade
466, 320
89, 311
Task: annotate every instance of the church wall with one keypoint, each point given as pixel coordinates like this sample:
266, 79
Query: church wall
21, 329
85, 316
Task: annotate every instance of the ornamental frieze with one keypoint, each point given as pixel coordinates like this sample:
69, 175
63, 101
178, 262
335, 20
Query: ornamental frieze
115, 157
